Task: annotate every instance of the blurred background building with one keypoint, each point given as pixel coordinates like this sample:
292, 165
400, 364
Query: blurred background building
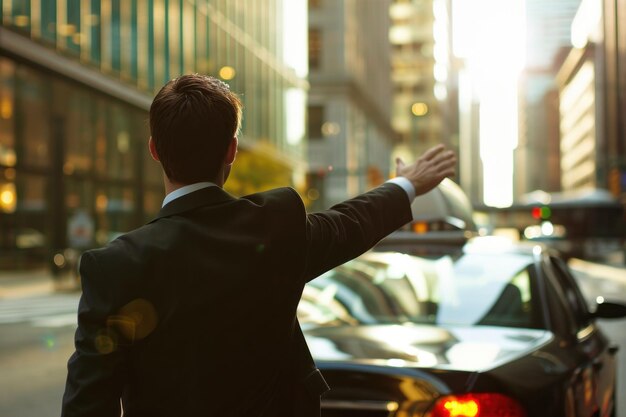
76, 81
570, 93
548, 37
572, 138
350, 98
592, 85
568, 170
424, 109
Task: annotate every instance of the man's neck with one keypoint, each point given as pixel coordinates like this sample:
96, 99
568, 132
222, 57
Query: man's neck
173, 185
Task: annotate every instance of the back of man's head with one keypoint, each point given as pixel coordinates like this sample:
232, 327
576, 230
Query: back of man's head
193, 119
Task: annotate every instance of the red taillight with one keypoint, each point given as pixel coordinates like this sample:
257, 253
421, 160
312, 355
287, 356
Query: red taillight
477, 405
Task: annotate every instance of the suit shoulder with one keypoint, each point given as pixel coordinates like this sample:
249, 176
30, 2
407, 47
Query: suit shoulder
124, 252
280, 192
279, 199
283, 212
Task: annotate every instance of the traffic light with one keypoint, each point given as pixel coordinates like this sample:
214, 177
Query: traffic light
541, 213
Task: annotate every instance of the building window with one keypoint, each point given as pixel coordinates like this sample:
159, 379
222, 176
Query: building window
315, 121
315, 48
120, 145
48, 21
114, 212
7, 106
33, 117
73, 26
94, 30
79, 131
116, 36
18, 14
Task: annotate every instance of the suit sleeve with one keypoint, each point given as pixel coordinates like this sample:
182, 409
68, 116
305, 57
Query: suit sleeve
96, 369
349, 229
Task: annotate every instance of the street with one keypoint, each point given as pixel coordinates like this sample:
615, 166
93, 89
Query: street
36, 340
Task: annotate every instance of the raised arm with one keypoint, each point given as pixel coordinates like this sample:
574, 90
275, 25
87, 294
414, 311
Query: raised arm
350, 228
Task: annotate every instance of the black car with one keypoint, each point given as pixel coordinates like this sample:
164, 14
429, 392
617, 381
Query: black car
492, 328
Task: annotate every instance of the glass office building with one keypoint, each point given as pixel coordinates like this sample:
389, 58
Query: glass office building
76, 81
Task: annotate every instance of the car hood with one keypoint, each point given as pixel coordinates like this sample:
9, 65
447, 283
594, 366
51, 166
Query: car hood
464, 348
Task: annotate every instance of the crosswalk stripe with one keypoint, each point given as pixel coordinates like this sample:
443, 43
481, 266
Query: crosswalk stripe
44, 307
52, 309
56, 321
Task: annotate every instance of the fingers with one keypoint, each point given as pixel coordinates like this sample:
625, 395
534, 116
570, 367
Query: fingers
448, 172
432, 152
444, 157
430, 169
443, 161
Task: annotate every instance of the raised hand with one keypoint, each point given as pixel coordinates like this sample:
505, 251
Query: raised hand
429, 170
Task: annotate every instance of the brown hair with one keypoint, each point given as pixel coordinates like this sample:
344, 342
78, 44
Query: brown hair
193, 118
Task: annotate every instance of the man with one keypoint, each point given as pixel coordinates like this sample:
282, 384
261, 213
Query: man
194, 314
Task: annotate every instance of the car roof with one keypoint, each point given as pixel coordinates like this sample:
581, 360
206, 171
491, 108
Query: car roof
441, 243
448, 203
500, 244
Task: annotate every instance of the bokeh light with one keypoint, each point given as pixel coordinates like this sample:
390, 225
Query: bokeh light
227, 73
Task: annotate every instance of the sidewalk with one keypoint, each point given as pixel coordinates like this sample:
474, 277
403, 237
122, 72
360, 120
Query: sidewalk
19, 284
608, 272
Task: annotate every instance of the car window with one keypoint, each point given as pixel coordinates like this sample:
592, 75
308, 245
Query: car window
573, 297
383, 288
513, 305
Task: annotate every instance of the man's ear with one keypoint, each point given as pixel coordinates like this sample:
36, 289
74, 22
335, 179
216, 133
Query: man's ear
231, 152
152, 148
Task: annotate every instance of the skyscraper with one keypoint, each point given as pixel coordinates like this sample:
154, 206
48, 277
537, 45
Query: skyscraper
592, 81
349, 130
548, 28
548, 35
421, 62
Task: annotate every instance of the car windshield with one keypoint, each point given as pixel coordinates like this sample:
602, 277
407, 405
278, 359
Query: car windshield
391, 288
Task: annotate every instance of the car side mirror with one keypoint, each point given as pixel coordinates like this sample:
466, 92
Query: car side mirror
608, 310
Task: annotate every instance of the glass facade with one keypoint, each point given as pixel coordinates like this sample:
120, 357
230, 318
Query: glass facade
74, 166
145, 43
67, 153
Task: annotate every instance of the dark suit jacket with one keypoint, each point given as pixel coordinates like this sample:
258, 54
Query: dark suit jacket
194, 314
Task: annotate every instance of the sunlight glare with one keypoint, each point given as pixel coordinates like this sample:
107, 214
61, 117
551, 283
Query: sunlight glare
490, 34
295, 23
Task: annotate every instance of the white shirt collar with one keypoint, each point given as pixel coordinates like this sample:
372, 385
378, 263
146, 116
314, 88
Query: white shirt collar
179, 192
